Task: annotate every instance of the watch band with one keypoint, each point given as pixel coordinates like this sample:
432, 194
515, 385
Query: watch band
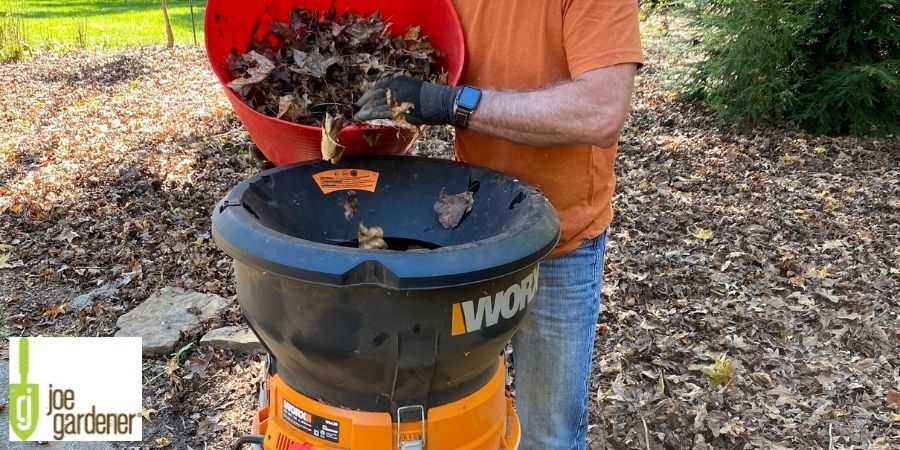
461, 117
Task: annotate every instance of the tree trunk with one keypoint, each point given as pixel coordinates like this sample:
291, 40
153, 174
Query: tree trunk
170, 38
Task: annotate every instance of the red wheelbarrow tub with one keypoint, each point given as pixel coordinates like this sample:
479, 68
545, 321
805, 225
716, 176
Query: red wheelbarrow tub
231, 25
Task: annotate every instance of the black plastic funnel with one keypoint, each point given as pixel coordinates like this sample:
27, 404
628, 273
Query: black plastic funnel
377, 329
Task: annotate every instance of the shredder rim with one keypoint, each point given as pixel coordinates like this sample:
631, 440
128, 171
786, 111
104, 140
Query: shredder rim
457, 259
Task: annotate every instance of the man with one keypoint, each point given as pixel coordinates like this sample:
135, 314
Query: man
550, 82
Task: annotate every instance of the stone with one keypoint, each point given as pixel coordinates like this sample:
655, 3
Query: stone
108, 290
235, 339
85, 300
162, 318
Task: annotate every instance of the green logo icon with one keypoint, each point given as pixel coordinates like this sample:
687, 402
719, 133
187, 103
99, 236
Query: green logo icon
23, 398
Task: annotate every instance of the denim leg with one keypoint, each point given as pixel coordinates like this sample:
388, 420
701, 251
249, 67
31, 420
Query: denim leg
553, 348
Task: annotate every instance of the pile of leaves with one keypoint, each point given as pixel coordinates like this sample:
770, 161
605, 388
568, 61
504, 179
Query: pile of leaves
323, 64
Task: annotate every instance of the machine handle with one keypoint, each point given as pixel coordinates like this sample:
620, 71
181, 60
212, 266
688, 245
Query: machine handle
409, 444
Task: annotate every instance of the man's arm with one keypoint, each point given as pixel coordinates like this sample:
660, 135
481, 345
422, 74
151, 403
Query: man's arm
587, 110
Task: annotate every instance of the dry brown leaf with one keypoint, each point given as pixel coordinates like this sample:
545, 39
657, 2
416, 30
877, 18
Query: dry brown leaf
5, 255
371, 238
704, 234
893, 397
5, 203
720, 371
399, 111
450, 209
284, 104
255, 74
163, 442
148, 413
371, 137
412, 34
441, 78
312, 63
54, 310
763, 379
171, 365
331, 149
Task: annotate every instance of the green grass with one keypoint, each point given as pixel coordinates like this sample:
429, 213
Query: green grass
103, 23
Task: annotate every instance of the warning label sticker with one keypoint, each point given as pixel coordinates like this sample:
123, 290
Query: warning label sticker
345, 179
320, 427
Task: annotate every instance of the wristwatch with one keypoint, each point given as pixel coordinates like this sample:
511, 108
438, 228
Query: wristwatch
466, 104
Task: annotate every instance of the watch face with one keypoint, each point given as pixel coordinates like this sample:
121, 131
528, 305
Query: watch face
469, 98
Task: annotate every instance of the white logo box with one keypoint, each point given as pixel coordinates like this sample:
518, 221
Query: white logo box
97, 376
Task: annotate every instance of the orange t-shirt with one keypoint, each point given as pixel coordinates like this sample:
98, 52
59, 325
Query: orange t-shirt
528, 44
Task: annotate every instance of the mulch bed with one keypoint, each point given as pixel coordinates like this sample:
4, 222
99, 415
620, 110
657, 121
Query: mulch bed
773, 250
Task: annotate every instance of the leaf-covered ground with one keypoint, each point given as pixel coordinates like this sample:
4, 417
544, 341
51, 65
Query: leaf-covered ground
774, 248
770, 250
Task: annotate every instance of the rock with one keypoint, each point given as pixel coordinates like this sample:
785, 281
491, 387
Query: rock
162, 318
84, 300
236, 339
108, 290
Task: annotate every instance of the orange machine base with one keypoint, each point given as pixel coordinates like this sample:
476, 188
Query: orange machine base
484, 420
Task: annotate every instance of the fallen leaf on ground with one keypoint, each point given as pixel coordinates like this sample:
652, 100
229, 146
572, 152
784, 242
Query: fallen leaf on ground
720, 371
763, 379
148, 413
704, 234
67, 236
893, 397
450, 209
331, 149
5, 255
163, 442
54, 310
832, 244
783, 396
371, 238
171, 365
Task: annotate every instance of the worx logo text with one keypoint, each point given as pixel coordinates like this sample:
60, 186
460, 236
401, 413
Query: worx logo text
474, 315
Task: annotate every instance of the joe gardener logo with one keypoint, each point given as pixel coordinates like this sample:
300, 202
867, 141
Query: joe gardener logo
23, 398
75, 389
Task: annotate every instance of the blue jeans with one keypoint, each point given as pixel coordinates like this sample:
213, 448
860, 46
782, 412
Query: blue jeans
552, 350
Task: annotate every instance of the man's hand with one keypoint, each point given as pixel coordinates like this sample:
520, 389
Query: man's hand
432, 103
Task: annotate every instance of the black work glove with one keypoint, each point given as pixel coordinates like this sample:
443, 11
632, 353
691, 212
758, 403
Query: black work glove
433, 104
